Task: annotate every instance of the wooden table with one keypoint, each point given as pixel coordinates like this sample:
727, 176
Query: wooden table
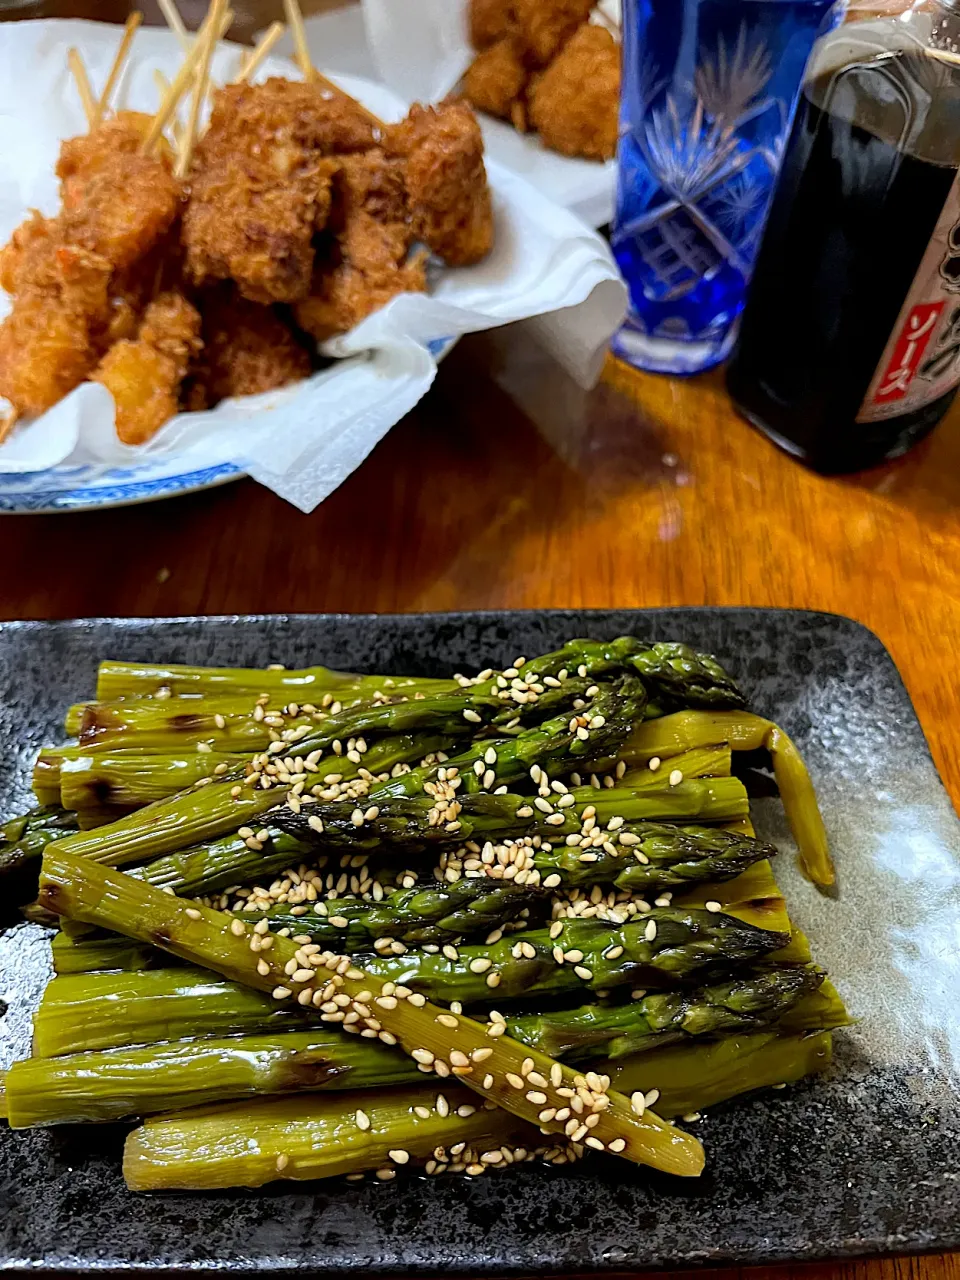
511, 487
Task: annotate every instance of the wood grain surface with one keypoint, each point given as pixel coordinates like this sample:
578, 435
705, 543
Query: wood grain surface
511, 487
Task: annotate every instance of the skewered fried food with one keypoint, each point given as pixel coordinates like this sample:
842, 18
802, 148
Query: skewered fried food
24, 254
117, 202
248, 348
260, 185
48, 341
546, 25
450, 201
574, 103
366, 263
490, 20
496, 79
144, 375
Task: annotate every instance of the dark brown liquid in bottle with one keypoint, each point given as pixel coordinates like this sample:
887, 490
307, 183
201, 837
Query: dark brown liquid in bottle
860, 193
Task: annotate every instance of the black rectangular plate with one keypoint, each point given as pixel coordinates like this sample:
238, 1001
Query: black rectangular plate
864, 1161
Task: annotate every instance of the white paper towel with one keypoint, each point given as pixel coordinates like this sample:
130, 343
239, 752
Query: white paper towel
304, 440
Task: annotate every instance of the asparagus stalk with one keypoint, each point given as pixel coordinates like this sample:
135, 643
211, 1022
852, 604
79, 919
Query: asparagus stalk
22, 841
151, 1006
746, 1003
487, 1064
131, 779
746, 732
430, 912
82, 955
299, 1137
79, 888
690, 1078
205, 812
576, 955
121, 1083
214, 810
672, 856
136, 679
315, 1137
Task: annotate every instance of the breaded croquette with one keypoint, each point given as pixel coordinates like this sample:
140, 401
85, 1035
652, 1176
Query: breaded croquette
574, 104
248, 348
144, 375
495, 80
260, 185
450, 203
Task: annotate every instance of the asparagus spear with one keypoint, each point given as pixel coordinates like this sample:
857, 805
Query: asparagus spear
124, 1082
214, 810
666, 946
150, 1006
82, 955
22, 841
690, 1078
132, 679
131, 779
182, 1002
210, 1148
430, 912
76, 887
746, 1003
674, 856
747, 732
315, 1137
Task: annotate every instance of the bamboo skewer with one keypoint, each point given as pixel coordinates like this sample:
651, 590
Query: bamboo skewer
89, 102
163, 84
184, 77
171, 15
129, 31
267, 41
206, 42
308, 70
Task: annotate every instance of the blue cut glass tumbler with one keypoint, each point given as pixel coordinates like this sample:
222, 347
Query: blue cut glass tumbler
709, 91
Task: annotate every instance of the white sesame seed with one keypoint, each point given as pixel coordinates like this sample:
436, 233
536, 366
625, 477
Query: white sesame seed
193, 913
493, 979
282, 1162
616, 1145
399, 1156
650, 932
676, 777
362, 1119
714, 906
238, 928
650, 1097
638, 1102
654, 763
281, 993
471, 715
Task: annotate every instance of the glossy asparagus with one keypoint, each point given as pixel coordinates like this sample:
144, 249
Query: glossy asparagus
248, 1145
747, 732
488, 1064
141, 1081
690, 1078
431, 912
304, 1138
667, 946
136, 679
746, 1003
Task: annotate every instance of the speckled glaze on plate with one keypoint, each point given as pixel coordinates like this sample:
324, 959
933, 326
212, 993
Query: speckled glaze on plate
864, 1161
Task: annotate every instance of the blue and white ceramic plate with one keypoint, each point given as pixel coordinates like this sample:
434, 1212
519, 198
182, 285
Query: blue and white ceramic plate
80, 488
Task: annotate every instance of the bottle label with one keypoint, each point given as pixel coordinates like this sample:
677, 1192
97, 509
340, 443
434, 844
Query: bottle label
921, 361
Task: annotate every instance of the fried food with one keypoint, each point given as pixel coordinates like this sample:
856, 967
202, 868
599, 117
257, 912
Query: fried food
261, 185
490, 20
248, 348
117, 202
48, 342
144, 376
574, 104
545, 25
366, 261
450, 203
495, 80
27, 251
